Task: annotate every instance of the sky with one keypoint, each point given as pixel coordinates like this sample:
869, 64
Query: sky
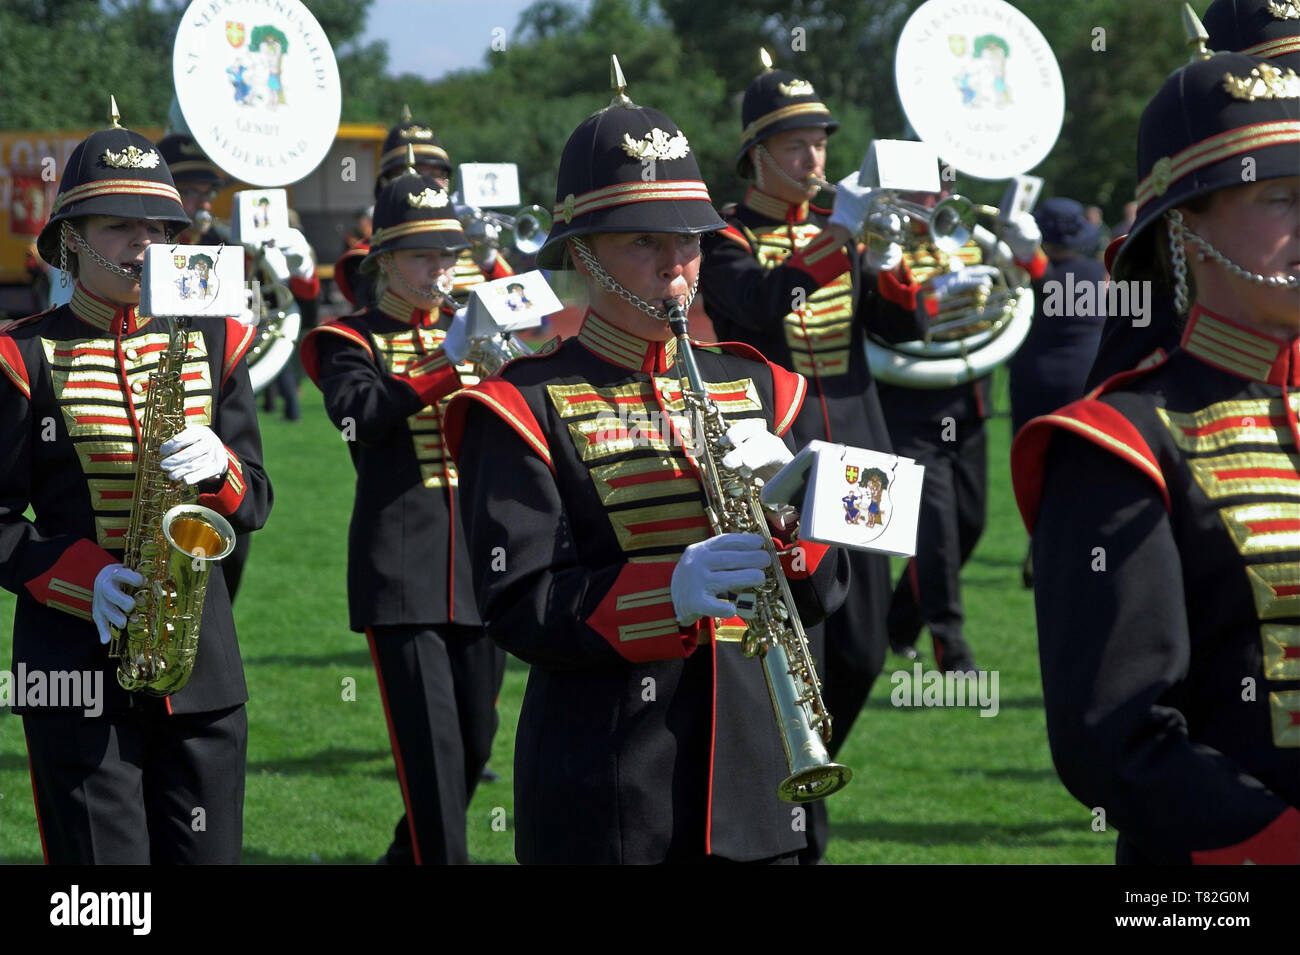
434, 37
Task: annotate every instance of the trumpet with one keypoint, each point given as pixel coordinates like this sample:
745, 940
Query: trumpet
528, 227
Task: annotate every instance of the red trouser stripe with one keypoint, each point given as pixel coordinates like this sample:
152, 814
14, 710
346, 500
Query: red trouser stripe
397, 752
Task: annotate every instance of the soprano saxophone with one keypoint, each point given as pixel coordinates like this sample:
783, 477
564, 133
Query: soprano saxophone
170, 541
773, 630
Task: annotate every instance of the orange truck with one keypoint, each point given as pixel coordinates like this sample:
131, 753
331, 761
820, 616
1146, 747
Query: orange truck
31, 162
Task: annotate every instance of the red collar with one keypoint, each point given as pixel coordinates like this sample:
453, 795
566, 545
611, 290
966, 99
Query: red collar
774, 208
625, 349
115, 319
1242, 350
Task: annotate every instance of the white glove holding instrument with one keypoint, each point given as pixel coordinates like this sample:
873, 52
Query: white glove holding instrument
1022, 236
884, 255
111, 604
852, 203
295, 248
194, 455
456, 344
724, 564
756, 448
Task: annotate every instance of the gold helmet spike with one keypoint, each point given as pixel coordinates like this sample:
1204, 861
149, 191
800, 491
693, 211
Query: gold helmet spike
617, 83
410, 159
1195, 33
766, 58
113, 114
406, 112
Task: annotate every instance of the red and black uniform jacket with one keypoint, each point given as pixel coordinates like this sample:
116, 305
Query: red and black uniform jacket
774, 280
639, 739
1167, 504
73, 392
384, 374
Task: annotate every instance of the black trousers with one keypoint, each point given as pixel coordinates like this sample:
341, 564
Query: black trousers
140, 787
439, 686
953, 501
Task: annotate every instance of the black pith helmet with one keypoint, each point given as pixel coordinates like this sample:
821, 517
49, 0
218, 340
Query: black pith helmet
1267, 28
421, 138
413, 212
627, 168
1216, 123
112, 172
776, 101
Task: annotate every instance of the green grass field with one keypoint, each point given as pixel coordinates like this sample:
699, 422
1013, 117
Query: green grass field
930, 785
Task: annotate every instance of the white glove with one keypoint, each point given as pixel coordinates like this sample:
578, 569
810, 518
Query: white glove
276, 263
756, 448
111, 604
456, 344
963, 280
852, 202
297, 254
1021, 233
194, 455
720, 565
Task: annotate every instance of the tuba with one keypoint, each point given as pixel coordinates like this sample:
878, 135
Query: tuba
978, 316
773, 630
170, 541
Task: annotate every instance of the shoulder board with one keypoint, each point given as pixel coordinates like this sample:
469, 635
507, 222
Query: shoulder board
307, 349
1095, 421
12, 365
239, 338
17, 323
1144, 367
735, 235
505, 401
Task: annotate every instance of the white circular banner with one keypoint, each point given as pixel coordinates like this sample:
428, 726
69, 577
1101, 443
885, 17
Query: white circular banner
258, 86
979, 83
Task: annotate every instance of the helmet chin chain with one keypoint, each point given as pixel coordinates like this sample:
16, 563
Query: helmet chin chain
439, 292
781, 173
84, 246
1179, 233
608, 282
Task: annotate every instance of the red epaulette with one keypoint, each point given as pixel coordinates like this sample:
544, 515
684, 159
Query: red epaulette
239, 338
13, 366
307, 348
1103, 425
1145, 366
15, 323
788, 388
505, 401
735, 235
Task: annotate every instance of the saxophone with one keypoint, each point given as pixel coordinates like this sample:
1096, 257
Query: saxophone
170, 541
773, 630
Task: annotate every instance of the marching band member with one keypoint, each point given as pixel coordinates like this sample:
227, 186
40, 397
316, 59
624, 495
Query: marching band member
1266, 28
477, 262
943, 429
645, 735
1163, 505
151, 779
384, 373
791, 280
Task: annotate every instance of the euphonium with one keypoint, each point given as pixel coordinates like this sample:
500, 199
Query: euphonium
170, 541
773, 630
